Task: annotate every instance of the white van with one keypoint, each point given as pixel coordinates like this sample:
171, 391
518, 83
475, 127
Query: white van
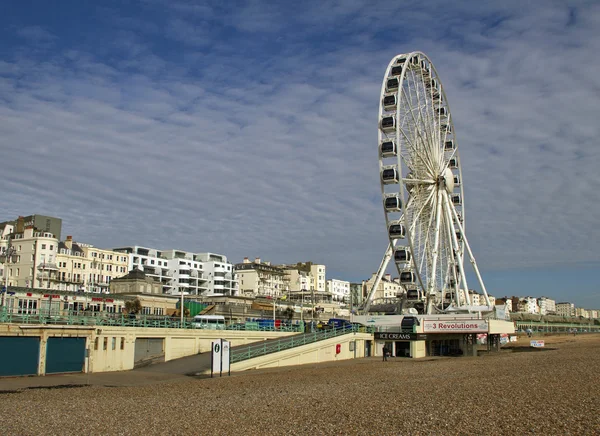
210, 322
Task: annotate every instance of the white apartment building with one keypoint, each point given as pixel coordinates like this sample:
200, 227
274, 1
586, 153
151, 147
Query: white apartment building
261, 279
547, 306
580, 311
339, 289
179, 271
528, 305
475, 298
565, 309
34, 261
220, 274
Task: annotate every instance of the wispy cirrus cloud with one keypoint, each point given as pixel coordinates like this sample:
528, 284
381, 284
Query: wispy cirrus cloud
35, 34
253, 132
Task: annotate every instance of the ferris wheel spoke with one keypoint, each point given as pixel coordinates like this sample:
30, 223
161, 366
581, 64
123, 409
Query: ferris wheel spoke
451, 277
427, 232
458, 252
426, 182
471, 256
420, 104
434, 254
445, 161
426, 203
433, 137
425, 158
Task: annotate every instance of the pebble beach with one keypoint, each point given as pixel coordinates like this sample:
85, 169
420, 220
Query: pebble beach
554, 390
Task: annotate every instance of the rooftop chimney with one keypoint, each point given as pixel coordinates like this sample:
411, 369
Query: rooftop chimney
69, 242
388, 277
257, 260
246, 260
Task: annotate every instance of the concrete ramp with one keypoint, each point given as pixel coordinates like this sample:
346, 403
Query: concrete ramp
341, 347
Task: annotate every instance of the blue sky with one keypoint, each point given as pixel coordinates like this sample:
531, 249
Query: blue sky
250, 128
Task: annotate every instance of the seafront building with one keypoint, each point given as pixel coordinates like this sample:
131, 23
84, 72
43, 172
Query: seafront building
547, 306
339, 290
306, 276
33, 260
83, 267
387, 288
257, 278
39, 223
180, 271
565, 309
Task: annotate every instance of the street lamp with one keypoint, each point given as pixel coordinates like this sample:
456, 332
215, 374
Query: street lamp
6, 256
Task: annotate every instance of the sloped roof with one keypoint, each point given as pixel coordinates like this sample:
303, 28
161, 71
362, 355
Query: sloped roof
134, 274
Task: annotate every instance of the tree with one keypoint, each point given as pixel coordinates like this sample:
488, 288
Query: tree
289, 313
133, 306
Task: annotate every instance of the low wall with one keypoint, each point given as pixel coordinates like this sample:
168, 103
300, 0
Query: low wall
112, 348
497, 326
322, 351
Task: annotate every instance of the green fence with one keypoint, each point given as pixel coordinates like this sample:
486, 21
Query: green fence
546, 327
123, 320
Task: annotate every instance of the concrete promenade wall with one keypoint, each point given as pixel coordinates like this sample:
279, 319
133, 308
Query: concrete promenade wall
322, 351
112, 348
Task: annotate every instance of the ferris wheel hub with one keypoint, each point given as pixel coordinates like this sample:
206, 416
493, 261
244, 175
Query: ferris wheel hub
447, 180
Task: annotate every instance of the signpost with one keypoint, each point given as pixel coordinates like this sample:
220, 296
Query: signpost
220, 358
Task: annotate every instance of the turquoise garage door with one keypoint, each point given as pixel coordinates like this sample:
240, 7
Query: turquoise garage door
65, 355
19, 355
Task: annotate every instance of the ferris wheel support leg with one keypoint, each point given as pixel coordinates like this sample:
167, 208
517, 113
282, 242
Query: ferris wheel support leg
473, 262
436, 242
455, 246
382, 267
448, 220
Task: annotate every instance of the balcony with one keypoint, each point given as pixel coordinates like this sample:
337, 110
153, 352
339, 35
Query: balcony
70, 281
47, 266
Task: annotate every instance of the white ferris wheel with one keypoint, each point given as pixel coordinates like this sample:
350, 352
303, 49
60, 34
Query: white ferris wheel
421, 184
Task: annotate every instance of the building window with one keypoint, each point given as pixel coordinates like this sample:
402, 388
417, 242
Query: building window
96, 343
43, 246
52, 247
105, 344
114, 343
122, 343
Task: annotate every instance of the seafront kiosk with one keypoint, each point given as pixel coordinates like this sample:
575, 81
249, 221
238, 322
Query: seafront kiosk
419, 336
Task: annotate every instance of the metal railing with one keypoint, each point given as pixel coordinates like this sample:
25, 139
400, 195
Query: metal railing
557, 327
83, 318
250, 351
